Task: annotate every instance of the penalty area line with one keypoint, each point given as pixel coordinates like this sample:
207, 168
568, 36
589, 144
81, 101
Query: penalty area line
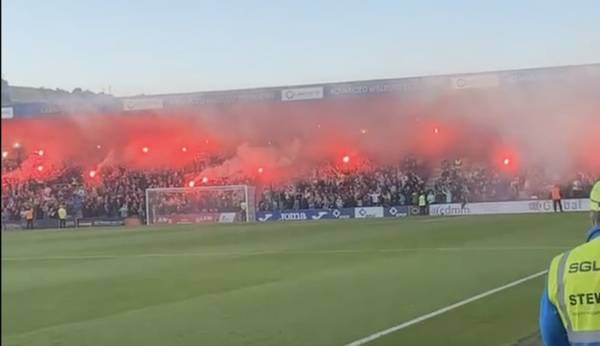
433, 314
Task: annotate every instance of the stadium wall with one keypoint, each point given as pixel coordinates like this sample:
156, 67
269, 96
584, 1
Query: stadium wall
453, 209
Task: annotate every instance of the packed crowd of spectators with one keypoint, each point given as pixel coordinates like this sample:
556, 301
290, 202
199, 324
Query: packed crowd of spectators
472, 182
43, 197
197, 202
459, 182
120, 192
335, 187
117, 192
403, 184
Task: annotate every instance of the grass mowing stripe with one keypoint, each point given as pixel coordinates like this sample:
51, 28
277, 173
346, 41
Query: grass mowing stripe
283, 252
420, 319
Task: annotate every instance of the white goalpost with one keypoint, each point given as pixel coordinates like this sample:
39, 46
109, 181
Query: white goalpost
203, 204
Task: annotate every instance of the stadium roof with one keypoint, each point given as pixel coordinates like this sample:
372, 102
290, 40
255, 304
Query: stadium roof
536, 70
361, 88
315, 92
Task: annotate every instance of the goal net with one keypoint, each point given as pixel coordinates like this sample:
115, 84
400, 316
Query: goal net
205, 204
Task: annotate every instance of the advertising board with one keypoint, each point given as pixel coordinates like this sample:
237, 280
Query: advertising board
511, 207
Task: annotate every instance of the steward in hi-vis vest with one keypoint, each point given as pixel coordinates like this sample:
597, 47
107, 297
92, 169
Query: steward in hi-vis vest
570, 306
595, 203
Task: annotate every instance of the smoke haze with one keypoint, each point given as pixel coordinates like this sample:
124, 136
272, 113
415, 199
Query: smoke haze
543, 124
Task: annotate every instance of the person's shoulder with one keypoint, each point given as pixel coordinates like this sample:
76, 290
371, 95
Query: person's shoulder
555, 261
552, 276
560, 255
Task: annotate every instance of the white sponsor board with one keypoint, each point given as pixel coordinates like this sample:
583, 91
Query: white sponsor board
513, 207
140, 104
293, 216
226, 217
7, 113
475, 81
368, 212
297, 94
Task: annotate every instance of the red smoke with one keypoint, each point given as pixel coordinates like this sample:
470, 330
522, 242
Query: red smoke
551, 125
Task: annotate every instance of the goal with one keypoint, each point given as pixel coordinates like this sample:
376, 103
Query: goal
204, 204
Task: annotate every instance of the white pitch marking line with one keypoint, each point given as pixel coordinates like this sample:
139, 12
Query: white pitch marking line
282, 252
404, 325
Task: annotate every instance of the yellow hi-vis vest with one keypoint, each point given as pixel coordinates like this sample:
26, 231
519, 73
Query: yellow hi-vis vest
595, 197
574, 288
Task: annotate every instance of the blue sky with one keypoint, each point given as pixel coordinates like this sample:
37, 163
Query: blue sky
179, 46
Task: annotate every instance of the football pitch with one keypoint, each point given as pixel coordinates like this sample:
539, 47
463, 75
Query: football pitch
302, 283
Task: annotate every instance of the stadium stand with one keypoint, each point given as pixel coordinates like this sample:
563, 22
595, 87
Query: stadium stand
120, 192
439, 125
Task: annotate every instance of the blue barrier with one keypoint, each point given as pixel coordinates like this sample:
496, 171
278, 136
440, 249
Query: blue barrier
306, 214
331, 214
397, 211
70, 223
261, 216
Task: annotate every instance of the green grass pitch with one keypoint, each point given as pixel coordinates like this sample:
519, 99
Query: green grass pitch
303, 283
